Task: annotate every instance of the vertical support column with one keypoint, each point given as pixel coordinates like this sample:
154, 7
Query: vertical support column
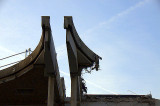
74, 90
51, 82
80, 87
80, 82
79, 92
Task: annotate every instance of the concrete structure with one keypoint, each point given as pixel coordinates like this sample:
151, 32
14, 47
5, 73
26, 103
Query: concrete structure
35, 81
117, 100
80, 57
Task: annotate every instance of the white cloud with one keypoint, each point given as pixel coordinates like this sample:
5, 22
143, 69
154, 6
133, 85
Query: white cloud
117, 16
125, 12
61, 52
91, 83
107, 24
100, 87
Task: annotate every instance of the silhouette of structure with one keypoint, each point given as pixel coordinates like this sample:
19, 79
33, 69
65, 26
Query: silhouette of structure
35, 81
80, 57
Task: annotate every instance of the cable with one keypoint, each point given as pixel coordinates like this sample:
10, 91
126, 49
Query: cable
10, 64
29, 50
12, 55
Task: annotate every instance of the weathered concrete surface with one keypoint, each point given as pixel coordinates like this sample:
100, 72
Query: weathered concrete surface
26, 83
117, 100
114, 104
157, 102
80, 57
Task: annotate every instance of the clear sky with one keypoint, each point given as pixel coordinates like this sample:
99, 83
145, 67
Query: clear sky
125, 33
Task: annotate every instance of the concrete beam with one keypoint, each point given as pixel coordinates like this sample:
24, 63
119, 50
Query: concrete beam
51, 83
75, 101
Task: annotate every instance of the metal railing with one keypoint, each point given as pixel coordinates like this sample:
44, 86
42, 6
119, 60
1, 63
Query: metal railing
27, 52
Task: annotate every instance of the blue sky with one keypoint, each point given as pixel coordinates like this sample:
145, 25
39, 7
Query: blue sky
125, 33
